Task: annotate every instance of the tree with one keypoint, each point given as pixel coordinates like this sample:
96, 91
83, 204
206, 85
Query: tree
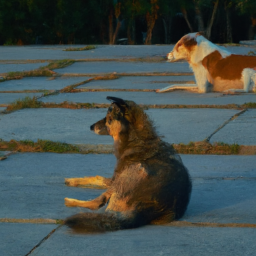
14, 22
248, 7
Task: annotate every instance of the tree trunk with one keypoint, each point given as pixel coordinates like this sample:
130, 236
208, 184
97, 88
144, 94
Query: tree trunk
209, 27
151, 20
199, 18
118, 25
251, 29
110, 30
185, 15
131, 31
229, 27
165, 30
167, 22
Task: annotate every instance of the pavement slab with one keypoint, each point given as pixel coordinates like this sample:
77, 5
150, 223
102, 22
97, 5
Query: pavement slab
152, 241
4, 68
73, 126
40, 178
19, 239
99, 67
223, 191
7, 98
32, 184
176, 97
54, 52
40, 83
136, 82
240, 130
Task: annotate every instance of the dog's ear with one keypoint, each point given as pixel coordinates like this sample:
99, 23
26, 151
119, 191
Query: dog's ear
200, 33
117, 101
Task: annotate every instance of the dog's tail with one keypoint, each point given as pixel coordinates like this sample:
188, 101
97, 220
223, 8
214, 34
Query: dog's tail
100, 222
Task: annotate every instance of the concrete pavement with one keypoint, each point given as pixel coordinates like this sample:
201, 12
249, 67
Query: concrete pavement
220, 219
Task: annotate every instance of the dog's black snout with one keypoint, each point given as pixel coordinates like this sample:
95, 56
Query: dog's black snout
92, 127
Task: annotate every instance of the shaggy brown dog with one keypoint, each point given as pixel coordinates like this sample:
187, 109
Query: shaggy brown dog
150, 183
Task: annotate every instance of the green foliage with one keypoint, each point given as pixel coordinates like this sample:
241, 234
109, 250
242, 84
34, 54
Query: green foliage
246, 6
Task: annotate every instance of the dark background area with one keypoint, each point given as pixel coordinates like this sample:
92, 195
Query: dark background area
25, 22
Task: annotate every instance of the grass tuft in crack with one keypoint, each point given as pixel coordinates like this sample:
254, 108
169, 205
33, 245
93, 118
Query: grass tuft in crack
27, 102
204, 147
42, 71
39, 146
252, 53
86, 48
58, 64
57, 147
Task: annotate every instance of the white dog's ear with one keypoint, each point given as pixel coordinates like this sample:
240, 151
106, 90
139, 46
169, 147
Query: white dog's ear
201, 33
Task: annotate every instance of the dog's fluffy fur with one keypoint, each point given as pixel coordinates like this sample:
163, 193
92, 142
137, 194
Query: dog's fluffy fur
215, 69
150, 183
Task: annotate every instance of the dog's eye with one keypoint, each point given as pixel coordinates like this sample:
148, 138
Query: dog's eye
109, 121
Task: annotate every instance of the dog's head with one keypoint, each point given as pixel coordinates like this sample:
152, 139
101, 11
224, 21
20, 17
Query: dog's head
114, 117
122, 117
185, 46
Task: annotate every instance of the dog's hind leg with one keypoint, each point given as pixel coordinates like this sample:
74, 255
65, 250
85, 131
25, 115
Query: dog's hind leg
93, 204
189, 87
249, 81
95, 182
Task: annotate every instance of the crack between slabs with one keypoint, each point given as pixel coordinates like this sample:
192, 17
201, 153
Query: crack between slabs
225, 123
43, 240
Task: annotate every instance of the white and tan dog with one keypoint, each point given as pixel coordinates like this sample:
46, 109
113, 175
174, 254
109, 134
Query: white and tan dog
215, 69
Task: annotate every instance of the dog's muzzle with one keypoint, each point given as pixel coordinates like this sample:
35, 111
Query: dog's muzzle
170, 57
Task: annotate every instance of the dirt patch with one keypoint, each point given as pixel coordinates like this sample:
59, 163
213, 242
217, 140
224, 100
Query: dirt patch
247, 150
113, 90
36, 221
210, 224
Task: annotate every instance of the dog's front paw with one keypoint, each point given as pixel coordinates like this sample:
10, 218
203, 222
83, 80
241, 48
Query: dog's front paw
69, 202
71, 182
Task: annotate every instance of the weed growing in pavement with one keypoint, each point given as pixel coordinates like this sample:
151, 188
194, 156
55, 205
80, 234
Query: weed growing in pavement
107, 77
252, 53
32, 73
58, 64
42, 71
57, 147
39, 146
27, 102
232, 149
203, 147
249, 105
86, 48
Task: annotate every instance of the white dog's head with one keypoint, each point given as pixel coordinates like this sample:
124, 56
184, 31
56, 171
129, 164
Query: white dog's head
193, 48
183, 49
